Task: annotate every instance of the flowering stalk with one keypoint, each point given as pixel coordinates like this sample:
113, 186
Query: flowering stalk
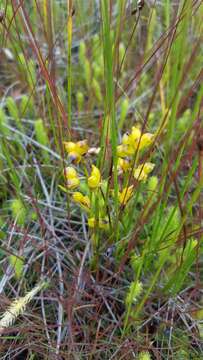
94, 194
133, 294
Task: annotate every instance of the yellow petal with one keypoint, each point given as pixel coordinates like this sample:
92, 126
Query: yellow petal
125, 139
71, 176
146, 140
76, 150
142, 171
135, 133
120, 151
132, 138
95, 178
82, 147
73, 183
148, 167
125, 195
70, 146
125, 150
82, 200
123, 165
140, 175
70, 172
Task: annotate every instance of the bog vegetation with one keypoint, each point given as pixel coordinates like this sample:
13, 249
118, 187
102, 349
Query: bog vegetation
101, 179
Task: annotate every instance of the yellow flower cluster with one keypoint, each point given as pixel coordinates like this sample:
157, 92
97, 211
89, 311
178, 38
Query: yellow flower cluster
91, 184
134, 141
93, 181
131, 143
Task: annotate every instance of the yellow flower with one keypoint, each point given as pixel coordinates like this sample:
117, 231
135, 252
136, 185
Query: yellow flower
70, 172
146, 140
82, 147
82, 200
69, 146
102, 223
124, 150
130, 142
132, 138
95, 178
71, 176
135, 133
75, 150
143, 171
123, 165
125, 195
125, 139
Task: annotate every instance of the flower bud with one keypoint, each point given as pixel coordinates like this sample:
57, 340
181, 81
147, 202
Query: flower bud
71, 176
95, 178
82, 200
